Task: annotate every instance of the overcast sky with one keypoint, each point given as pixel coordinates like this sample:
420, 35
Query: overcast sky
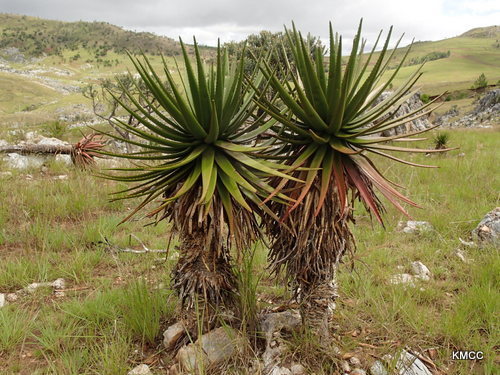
235, 19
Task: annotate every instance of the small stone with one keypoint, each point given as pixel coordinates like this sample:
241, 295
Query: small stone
460, 254
355, 361
461, 155
358, 371
65, 159
278, 370
172, 335
61, 177
11, 297
378, 369
298, 369
467, 243
140, 370
420, 271
414, 227
2, 300
5, 174
344, 366
59, 294
403, 278
59, 283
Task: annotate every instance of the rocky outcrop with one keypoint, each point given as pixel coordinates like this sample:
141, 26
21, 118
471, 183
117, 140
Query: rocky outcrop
410, 105
485, 114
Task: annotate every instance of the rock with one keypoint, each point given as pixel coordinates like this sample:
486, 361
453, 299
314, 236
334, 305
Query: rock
460, 254
358, 371
414, 227
280, 371
298, 369
5, 174
212, 348
378, 369
344, 366
63, 158
59, 284
17, 161
411, 104
272, 325
11, 297
2, 300
172, 335
467, 243
355, 361
408, 364
287, 320
403, 278
487, 231
420, 271
140, 370
51, 142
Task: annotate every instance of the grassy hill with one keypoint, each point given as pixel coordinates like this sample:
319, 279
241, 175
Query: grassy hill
38, 37
470, 54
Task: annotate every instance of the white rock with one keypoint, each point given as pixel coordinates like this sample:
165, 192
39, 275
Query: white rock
414, 227
358, 371
461, 255
280, 371
172, 335
420, 270
63, 158
11, 297
59, 283
51, 142
378, 368
467, 243
408, 364
17, 161
2, 300
298, 369
140, 370
403, 278
355, 361
5, 174
344, 366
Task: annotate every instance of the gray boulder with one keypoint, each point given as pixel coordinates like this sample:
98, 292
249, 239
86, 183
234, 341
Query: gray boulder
487, 231
212, 348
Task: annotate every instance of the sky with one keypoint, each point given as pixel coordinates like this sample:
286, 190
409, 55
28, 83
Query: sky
235, 19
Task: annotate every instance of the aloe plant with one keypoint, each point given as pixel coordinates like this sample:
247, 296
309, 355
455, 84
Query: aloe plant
330, 120
195, 164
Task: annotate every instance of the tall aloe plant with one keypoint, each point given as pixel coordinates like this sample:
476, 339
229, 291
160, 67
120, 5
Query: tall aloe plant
195, 163
331, 119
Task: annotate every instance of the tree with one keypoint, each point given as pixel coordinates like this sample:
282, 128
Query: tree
480, 82
196, 162
328, 123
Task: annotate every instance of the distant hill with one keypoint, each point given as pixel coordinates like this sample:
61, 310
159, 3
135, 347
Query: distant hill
36, 37
483, 32
454, 63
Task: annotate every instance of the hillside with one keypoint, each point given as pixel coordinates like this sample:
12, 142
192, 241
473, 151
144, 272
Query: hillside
454, 63
36, 37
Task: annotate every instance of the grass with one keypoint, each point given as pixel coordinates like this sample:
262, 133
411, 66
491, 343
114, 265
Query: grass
117, 304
